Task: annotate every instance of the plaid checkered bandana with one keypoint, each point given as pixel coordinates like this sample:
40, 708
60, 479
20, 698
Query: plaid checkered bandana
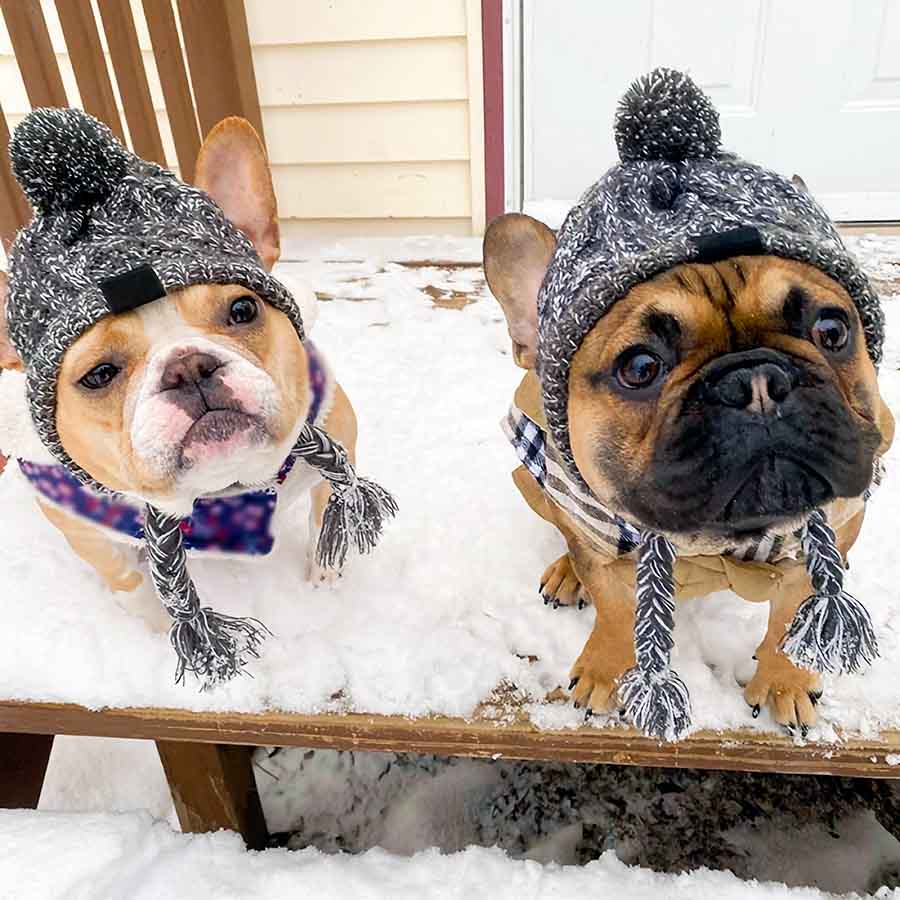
613, 532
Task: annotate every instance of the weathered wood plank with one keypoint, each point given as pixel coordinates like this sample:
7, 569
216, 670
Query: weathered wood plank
86, 53
512, 736
14, 209
173, 80
23, 764
217, 46
31, 43
134, 89
213, 787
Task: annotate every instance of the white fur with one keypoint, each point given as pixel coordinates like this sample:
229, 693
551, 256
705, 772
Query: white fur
157, 426
18, 436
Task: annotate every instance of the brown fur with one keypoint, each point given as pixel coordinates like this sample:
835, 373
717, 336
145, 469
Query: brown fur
734, 304
742, 309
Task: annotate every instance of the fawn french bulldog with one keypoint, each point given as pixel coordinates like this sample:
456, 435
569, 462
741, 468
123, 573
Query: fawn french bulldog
177, 399
700, 409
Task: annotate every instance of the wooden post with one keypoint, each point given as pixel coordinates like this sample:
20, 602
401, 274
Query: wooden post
23, 764
14, 209
173, 79
34, 52
213, 787
128, 65
217, 46
86, 55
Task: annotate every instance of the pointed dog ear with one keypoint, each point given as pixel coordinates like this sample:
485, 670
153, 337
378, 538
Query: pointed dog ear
9, 359
517, 251
233, 169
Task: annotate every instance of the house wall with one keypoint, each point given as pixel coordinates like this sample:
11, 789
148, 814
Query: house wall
373, 112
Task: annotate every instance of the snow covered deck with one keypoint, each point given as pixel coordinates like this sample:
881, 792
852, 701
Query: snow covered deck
438, 643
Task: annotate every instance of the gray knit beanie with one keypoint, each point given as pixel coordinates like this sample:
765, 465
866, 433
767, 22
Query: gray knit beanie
675, 197
112, 232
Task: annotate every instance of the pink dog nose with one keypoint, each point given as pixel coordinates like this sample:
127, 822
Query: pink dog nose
192, 368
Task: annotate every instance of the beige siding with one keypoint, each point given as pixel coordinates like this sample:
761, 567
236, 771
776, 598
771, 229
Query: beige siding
372, 111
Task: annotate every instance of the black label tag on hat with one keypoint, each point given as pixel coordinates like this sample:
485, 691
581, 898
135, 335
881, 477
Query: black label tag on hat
744, 241
132, 289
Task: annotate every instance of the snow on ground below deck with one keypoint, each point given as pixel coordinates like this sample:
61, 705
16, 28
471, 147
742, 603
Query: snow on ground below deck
95, 856
446, 610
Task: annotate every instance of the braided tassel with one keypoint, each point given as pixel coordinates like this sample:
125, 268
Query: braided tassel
655, 698
357, 508
212, 646
832, 631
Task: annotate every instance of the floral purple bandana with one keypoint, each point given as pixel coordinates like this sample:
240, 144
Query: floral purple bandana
237, 525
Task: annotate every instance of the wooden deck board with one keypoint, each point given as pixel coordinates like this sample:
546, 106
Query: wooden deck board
513, 738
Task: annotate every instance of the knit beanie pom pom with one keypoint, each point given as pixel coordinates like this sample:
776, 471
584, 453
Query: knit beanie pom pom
665, 116
65, 159
657, 703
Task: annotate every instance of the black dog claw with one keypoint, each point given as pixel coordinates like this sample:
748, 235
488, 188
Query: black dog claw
804, 731
581, 603
573, 682
556, 604
755, 710
815, 697
587, 714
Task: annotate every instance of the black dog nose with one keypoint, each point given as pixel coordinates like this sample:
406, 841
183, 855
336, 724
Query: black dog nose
192, 368
758, 380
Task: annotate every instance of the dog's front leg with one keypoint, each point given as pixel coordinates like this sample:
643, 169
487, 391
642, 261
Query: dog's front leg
790, 692
609, 651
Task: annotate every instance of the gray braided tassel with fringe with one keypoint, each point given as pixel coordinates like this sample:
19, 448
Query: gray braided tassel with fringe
210, 645
216, 647
832, 631
358, 507
655, 698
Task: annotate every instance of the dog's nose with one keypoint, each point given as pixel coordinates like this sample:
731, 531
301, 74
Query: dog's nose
757, 381
192, 368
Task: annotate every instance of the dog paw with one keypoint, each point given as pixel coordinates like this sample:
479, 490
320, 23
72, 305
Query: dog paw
560, 586
322, 576
791, 693
596, 674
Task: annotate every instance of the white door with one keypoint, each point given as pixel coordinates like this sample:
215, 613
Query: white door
803, 86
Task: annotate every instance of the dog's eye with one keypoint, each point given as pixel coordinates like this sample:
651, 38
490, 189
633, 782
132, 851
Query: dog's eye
831, 331
639, 369
100, 376
243, 310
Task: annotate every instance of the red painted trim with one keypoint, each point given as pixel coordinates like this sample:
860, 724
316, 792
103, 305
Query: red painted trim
492, 52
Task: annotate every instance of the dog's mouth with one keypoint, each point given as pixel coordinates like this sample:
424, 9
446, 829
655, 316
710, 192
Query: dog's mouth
774, 490
217, 425
218, 431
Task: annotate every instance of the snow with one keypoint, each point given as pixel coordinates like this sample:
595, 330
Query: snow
99, 856
446, 611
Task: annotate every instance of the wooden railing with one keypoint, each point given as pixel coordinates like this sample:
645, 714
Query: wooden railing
218, 80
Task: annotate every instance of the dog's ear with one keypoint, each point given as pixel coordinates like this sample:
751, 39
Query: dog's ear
517, 251
233, 169
9, 359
